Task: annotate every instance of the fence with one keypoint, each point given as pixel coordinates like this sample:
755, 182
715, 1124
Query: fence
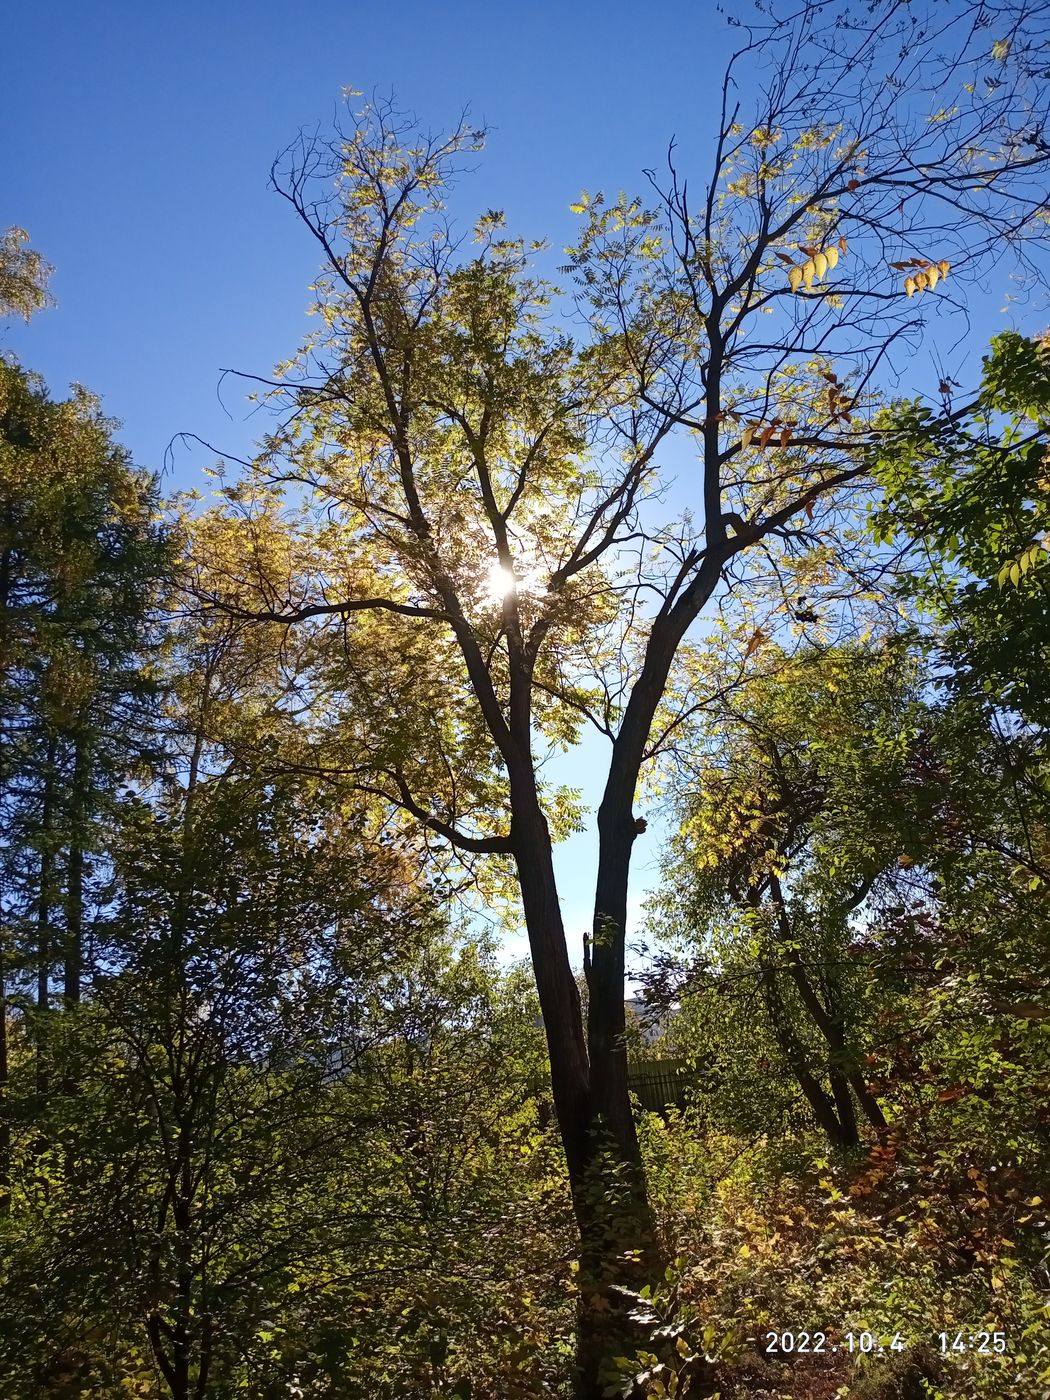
657, 1083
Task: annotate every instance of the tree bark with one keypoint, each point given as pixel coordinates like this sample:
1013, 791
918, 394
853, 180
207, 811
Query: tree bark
5, 1121
831, 1022
589, 1084
43, 922
74, 951
556, 987
824, 1110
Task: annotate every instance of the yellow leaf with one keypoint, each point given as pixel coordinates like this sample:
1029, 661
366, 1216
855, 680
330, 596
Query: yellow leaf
933, 276
744, 1251
832, 255
795, 278
920, 281
747, 435
808, 273
943, 267
820, 264
909, 285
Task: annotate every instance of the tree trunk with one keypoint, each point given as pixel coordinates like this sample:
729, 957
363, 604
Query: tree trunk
831, 1022
867, 1100
74, 959
847, 1060
842, 1066
823, 1107
619, 1248
556, 987
43, 923
590, 1095
5, 1121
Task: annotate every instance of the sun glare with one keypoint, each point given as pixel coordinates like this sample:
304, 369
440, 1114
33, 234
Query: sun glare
498, 583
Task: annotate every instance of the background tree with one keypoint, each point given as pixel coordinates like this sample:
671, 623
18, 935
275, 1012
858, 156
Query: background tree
795, 813
81, 549
24, 276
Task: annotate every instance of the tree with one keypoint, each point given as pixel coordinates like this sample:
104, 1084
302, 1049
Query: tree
477, 493
797, 812
80, 553
24, 276
966, 491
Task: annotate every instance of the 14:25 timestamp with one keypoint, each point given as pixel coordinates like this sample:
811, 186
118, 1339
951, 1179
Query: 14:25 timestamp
987, 1342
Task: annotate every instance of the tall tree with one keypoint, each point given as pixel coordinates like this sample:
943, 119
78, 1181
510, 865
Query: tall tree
23, 290
481, 493
81, 549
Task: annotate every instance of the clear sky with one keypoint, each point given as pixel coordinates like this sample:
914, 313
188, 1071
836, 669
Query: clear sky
138, 139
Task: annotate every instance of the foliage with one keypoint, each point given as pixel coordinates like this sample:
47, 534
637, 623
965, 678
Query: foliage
969, 487
24, 276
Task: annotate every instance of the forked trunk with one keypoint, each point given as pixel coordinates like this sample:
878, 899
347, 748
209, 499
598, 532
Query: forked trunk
591, 1099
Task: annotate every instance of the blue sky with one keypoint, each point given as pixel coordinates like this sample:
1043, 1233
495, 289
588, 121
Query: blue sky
138, 141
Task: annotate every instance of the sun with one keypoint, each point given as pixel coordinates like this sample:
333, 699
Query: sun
498, 582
